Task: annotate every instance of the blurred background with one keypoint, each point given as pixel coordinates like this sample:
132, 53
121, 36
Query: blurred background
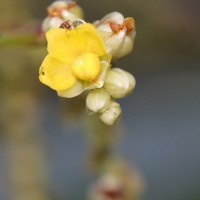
42, 146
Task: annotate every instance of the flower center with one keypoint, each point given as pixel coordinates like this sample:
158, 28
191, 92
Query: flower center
86, 67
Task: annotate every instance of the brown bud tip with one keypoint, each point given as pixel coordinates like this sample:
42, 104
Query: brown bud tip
116, 193
72, 5
115, 27
56, 11
128, 24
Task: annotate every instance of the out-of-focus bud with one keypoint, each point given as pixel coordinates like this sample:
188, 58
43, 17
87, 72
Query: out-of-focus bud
119, 83
98, 100
51, 22
111, 114
118, 182
118, 33
107, 188
60, 11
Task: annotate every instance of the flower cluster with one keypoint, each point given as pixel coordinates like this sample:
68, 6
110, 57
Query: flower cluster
80, 55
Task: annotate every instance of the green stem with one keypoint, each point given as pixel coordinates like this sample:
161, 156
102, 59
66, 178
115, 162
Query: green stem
101, 138
7, 39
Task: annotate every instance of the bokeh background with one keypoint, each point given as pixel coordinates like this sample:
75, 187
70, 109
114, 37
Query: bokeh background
42, 145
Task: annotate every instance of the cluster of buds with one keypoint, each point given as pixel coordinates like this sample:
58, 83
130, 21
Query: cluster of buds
117, 84
80, 58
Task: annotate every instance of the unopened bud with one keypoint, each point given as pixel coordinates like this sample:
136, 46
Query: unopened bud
74, 13
108, 187
51, 22
118, 33
112, 114
60, 11
119, 83
98, 100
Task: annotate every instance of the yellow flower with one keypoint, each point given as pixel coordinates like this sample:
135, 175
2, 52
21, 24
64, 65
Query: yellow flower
77, 60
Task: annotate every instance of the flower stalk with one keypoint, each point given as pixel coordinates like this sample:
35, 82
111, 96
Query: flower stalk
11, 38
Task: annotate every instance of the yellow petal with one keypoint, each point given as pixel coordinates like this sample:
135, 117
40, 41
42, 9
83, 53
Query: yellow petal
94, 42
86, 67
65, 45
81, 86
56, 74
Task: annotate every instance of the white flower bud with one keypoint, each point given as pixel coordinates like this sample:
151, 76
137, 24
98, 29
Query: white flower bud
51, 22
98, 100
60, 11
118, 33
119, 83
112, 113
